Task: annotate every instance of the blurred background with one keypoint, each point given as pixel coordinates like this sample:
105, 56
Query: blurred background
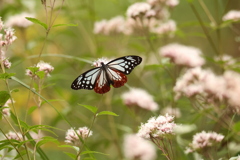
70, 49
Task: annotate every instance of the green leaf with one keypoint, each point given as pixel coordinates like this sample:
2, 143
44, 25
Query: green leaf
70, 24
40, 74
70, 146
6, 75
4, 96
36, 21
31, 109
107, 113
73, 156
90, 108
91, 152
33, 69
47, 140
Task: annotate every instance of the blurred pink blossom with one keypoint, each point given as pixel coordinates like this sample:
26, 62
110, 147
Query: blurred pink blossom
138, 9
140, 98
232, 15
13, 135
183, 55
19, 20
135, 147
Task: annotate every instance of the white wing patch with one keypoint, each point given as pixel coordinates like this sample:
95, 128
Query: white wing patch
86, 80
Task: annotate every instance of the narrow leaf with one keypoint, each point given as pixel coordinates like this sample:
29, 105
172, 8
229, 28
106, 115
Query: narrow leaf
31, 109
40, 74
70, 24
73, 156
46, 140
91, 152
90, 108
36, 21
107, 113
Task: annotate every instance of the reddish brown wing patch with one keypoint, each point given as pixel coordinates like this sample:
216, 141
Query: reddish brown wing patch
101, 89
118, 82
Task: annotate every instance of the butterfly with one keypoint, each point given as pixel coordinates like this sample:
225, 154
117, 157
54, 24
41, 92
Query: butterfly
113, 73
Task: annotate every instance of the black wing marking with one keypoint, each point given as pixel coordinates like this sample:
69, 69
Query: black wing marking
87, 80
125, 64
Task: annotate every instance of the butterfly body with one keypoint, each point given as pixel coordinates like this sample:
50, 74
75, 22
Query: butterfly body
113, 73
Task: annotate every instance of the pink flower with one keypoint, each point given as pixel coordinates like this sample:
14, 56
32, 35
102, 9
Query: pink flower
72, 136
203, 140
13, 135
135, 147
138, 9
107, 27
140, 98
42, 66
157, 127
19, 20
183, 55
232, 15
6, 109
165, 28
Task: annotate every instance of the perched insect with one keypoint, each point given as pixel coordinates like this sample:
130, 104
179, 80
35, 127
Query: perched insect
113, 73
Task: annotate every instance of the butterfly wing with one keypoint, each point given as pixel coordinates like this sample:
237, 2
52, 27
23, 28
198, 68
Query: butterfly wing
117, 69
125, 64
87, 80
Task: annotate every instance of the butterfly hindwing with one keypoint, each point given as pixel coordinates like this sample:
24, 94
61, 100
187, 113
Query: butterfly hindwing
86, 80
102, 83
125, 64
117, 78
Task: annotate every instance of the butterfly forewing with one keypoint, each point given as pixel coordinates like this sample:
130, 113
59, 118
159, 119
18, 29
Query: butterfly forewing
87, 80
125, 64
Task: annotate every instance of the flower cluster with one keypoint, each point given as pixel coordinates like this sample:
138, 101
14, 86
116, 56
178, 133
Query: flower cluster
6, 39
203, 140
6, 108
135, 147
140, 98
232, 15
72, 137
157, 127
224, 88
19, 20
183, 55
13, 135
42, 66
152, 15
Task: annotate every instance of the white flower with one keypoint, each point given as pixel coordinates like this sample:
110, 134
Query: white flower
183, 55
98, 62
135, 147
140, 98
138, 9
232, 15
157, 127
19, 20
203, 140
72, 136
